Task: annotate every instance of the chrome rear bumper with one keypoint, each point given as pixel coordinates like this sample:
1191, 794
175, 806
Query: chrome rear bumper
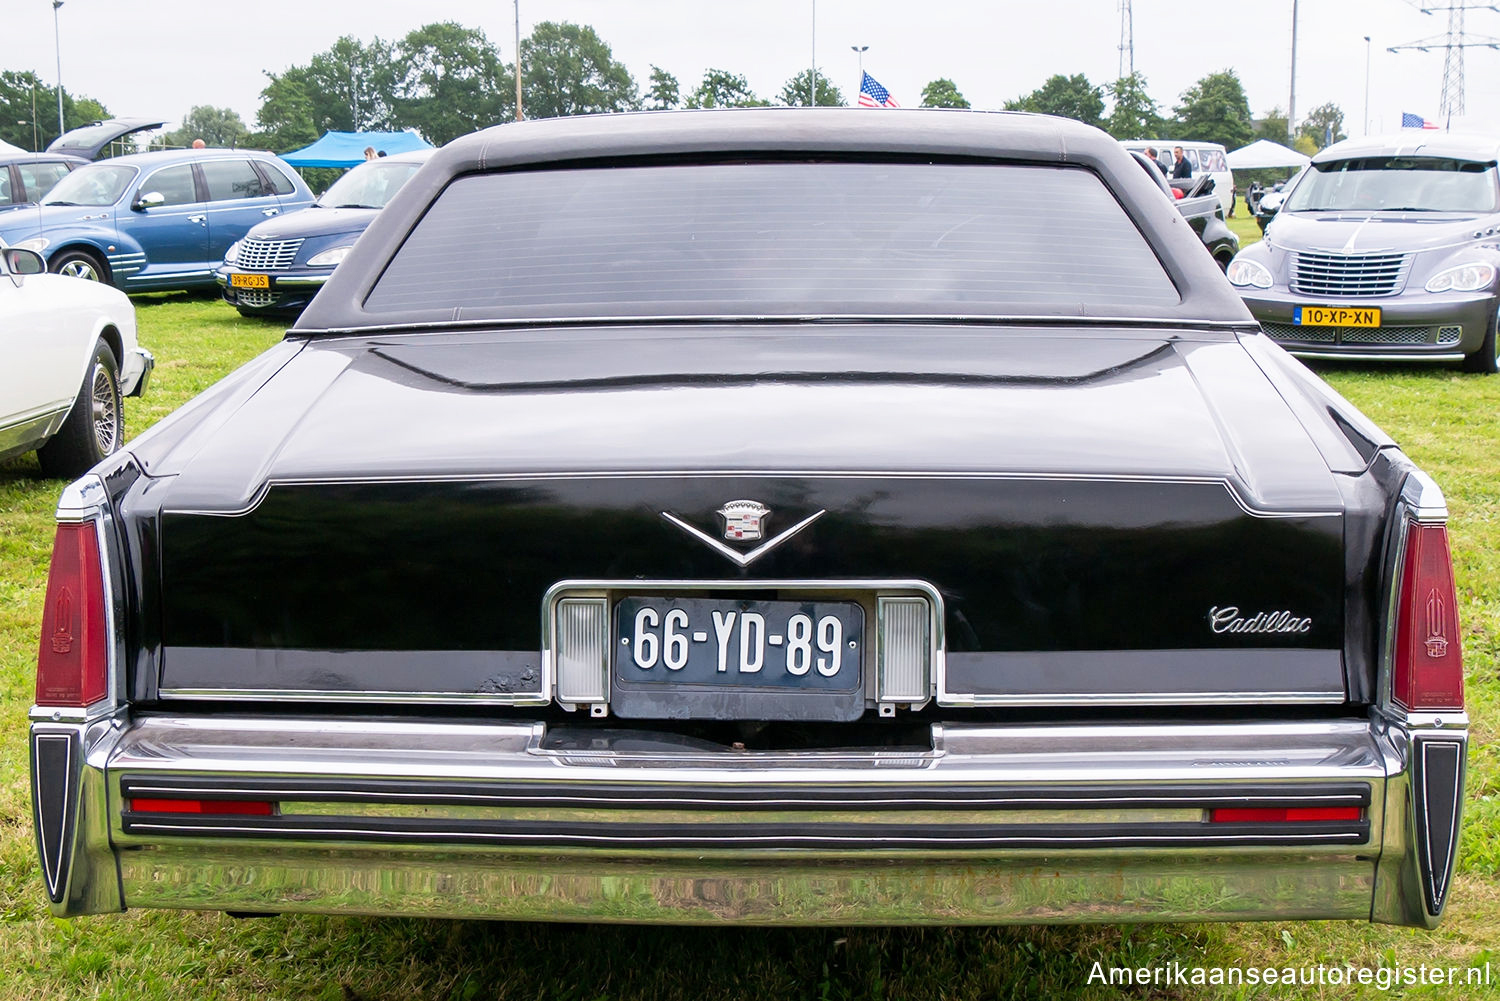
988, 824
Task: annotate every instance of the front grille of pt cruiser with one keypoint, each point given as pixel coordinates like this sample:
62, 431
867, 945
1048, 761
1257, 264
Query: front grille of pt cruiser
1349, 274
268, 255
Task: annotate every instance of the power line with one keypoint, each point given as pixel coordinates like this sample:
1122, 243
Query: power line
1453, 43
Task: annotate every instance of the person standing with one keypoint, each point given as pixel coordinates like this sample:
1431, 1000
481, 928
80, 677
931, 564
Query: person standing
1155, 159
1180, 166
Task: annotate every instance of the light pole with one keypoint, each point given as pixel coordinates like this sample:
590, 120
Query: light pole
1367, 85
860, 51
518, 60
812, 87
1291, 103
57, 42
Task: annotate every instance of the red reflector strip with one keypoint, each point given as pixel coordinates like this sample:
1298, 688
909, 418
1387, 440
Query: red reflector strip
1258, 815
243, 806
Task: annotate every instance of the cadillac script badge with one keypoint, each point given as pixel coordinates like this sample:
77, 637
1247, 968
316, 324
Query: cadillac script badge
744, 520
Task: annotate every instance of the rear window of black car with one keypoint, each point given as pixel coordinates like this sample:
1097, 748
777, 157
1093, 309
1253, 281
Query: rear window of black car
774, 238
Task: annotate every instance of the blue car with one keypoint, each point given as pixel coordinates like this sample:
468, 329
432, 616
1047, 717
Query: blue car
281, 263
154, 221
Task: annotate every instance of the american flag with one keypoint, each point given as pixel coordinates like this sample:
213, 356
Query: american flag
872, 95
1410, 121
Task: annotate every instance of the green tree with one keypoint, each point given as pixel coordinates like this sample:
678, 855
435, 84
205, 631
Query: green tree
1274, 127
215, 126
943, 93
1134, 114
1324, 125
1068, 96
287, 116
794, 92
450, 81
663, 94
350, 87
723, 89
567, 69
1215, 110
22, 127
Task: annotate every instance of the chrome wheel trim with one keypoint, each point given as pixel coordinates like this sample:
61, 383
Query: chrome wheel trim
105, 406
80, 267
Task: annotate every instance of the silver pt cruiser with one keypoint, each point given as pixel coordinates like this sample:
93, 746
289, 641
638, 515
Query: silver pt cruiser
1385, 247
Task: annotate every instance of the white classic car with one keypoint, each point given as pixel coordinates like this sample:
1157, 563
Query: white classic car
68, 354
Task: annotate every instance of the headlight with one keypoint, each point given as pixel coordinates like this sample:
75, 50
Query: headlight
1242, 273
36, 243
1464, 278
233, 253
329, 258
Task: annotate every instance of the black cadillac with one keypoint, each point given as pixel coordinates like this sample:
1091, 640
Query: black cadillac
771, 516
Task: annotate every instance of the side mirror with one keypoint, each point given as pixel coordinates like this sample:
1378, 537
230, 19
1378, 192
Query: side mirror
149, 200
24, 262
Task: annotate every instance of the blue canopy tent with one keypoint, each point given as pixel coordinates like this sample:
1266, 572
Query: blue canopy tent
345, 149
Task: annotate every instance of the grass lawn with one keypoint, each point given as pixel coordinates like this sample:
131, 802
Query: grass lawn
1448, 422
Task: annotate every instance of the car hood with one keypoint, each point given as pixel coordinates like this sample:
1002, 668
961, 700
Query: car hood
1032, 403
32, 220
1377, 232
313, 222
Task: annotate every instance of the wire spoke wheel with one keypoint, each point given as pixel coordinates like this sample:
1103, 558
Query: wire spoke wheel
106, 409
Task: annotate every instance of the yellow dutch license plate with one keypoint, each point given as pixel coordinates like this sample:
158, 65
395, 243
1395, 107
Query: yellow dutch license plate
1337, 316
250, 281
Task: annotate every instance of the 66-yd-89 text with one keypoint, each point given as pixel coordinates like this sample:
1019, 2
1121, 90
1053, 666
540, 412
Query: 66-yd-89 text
741, 641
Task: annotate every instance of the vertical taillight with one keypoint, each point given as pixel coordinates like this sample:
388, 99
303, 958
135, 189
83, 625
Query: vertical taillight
1427, 672
72, 666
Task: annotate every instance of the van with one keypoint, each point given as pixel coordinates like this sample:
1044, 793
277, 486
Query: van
1204, 158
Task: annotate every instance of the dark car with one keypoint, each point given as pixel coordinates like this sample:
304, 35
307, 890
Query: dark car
1197, 203
281, 263
780, 516
147, 222
26, 177
1384, 248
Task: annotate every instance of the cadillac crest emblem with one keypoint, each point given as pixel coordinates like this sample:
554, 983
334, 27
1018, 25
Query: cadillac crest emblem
744, 520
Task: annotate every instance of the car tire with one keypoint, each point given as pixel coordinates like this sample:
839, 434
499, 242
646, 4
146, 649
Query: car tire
94, 427
1485, 361
79, 264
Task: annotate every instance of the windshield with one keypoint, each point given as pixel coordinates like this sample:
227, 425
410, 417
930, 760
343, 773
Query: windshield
775, 238
96, 184
368, 186
1396, 184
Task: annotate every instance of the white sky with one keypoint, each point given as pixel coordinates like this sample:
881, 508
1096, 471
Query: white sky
161, 57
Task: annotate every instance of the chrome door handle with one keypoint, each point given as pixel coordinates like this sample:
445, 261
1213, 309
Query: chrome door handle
269, 212
197, 218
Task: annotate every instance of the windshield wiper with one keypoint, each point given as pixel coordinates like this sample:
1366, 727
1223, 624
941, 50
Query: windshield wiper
74, 204
355, 205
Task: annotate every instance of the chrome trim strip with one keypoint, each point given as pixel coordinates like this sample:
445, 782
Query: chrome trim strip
310, 281
1446, 356
1154, 323
1424, 497
811, 474
695, 841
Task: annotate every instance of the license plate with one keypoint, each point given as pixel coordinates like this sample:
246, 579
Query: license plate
727, 643
1337, 316
250, 281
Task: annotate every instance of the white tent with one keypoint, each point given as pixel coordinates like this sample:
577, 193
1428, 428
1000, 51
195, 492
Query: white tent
6, 149
1263, 153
